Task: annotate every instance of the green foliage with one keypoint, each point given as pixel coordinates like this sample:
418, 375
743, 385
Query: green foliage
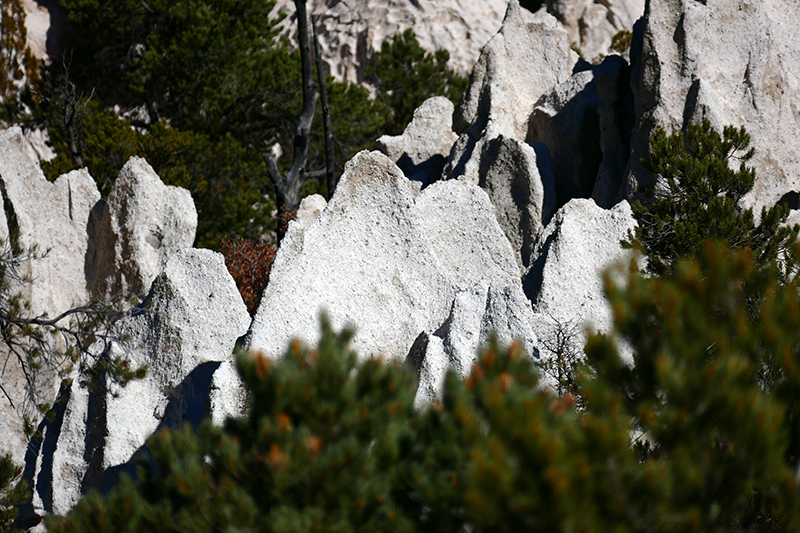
204, 65
621, 42
206, 89
13, 492
696, 196
18, 68
701, 434
713, 393
405, 75
223, 182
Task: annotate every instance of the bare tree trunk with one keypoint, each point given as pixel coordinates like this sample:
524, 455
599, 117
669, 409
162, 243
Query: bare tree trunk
330, 176
287, 188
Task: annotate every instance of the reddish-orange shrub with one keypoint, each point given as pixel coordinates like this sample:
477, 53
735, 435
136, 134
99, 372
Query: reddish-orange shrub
249, 264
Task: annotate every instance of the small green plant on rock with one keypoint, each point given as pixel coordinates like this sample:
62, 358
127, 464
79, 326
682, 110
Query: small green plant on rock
13, 491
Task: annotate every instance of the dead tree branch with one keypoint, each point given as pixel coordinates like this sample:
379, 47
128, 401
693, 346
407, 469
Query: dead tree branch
330, 176
287, 188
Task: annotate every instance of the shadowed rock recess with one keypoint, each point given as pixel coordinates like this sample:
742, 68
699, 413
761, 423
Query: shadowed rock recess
496, 215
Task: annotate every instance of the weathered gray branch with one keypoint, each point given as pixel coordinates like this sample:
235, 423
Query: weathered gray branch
287, 188
330, 175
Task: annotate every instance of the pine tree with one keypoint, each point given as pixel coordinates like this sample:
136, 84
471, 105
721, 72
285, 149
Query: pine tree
696, 195
13, 492
405, 75
713, 392
18, 66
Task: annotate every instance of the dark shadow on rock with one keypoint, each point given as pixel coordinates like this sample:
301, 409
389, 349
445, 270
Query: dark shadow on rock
189, 405
464, 145
532, 284
43, 445
791, 200
505, 176
416, 355
90, 263
426, 172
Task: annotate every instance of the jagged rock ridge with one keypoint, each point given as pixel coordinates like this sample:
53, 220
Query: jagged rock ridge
499, 220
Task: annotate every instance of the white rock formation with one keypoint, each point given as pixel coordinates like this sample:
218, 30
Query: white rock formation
54, 218
387, 259
565, 282
477, 312
585, 122
144, 223
310, 208
351, 30
185, 333
729, 61
520, 184
591, 24
192, 316
525, 59
421, 150
529, 55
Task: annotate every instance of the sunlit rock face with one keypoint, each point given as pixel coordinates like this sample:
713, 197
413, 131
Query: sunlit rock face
731, 62
351, 30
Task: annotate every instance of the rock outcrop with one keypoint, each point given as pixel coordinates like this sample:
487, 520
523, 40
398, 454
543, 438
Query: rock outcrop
537, 164
733, 63
52, 219
144, 223
185, 333
591, 24
565, 283
422, 149
528, 56
586, 124
351, 30
385, 258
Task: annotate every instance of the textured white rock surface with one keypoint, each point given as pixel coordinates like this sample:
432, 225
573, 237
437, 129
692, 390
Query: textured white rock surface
529, 55
193, 316
526, 58
585, 123
521, 188
310, 208
421, 150
733, 62
477, 312
351, 30
363, 261
69, 462
185, 333
54, 218
565, 283
144, 223
591, 24
51, 216
385, 258
457, 220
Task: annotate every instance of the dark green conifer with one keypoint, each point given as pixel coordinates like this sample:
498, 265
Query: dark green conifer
696, 195
13, 492
405, 75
